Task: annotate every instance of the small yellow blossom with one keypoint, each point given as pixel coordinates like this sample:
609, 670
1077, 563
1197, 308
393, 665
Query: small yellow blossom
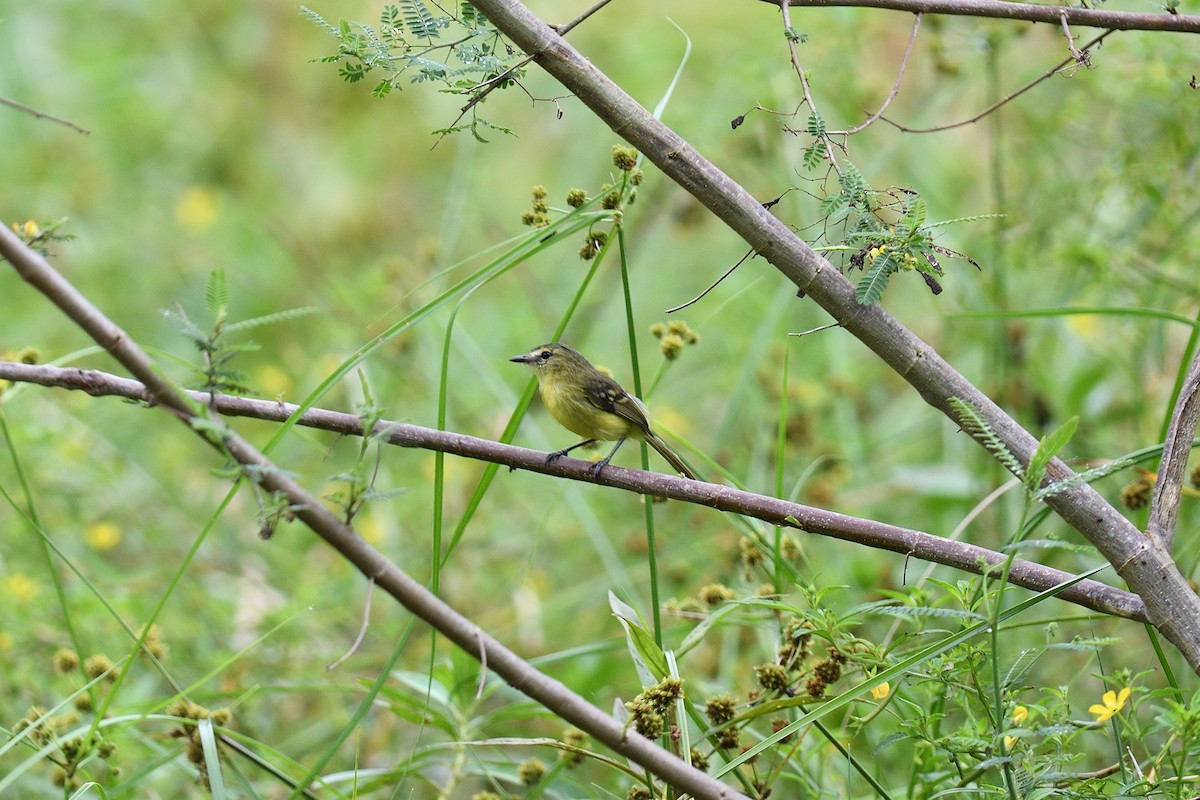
102, 536
1088, 327
21, 587
1020, 714
29, 229
1009, 741
197, 207
1112, 703
370, 528
273, 381
881, 691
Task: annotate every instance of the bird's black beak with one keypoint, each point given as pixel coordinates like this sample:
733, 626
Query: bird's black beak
525, 359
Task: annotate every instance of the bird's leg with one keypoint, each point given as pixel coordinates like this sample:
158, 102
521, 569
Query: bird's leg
602, 463
561, 453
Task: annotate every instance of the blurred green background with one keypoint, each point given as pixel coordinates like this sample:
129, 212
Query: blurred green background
216, 141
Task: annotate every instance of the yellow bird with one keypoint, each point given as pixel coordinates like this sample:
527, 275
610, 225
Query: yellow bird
586, 401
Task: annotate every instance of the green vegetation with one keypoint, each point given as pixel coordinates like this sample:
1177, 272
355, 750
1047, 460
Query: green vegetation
386, 264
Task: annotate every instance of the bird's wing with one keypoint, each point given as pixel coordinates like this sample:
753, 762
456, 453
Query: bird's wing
609, 396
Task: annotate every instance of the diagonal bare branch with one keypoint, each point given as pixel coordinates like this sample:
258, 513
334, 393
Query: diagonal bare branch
1171, 604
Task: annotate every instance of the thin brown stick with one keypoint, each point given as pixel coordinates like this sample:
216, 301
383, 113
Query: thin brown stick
493, 83
566, 27
711, 286
1082, 57
917, 544
794, 55
817, 329
912, 38
1050, 73
1002, 9
33, 112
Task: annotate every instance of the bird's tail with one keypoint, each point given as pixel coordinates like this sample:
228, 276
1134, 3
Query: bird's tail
669, 454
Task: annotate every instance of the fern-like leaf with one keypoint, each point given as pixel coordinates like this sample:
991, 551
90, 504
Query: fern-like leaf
971, 218
914, 217
814, 154
470, 16
419, 20
216, 292
980, 431
816, 124
870, 287
1050, 446
271, 319
1080, 478
317, 19
926, 612
186, 326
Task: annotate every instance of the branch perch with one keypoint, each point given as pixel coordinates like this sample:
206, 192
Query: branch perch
916, 544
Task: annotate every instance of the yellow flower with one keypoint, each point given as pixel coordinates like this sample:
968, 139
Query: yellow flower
21, 586
1009, 741
1020, 714
102, 536
196, 209
881, 691
29, 229
1112, 703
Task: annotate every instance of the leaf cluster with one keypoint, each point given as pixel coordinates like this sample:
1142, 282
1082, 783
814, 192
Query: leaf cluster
462, 52
216, 372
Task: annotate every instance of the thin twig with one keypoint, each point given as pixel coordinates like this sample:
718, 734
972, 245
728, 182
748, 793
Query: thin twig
817, 329
1082, 57
1164, 507
41, 115
564, 29
1050, 73
491, 84
1003, 9
711, 286
794, 54
917, 544
912, 38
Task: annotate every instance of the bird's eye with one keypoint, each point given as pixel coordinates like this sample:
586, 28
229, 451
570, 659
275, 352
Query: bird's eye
545, 355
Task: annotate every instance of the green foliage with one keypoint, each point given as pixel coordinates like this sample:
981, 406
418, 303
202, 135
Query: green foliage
884, 232
216, 372
793, 35
410, 44
1048, 448
39, 237
978, 429
377, 232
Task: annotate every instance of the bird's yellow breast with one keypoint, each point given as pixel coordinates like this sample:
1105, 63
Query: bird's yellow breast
579, 416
